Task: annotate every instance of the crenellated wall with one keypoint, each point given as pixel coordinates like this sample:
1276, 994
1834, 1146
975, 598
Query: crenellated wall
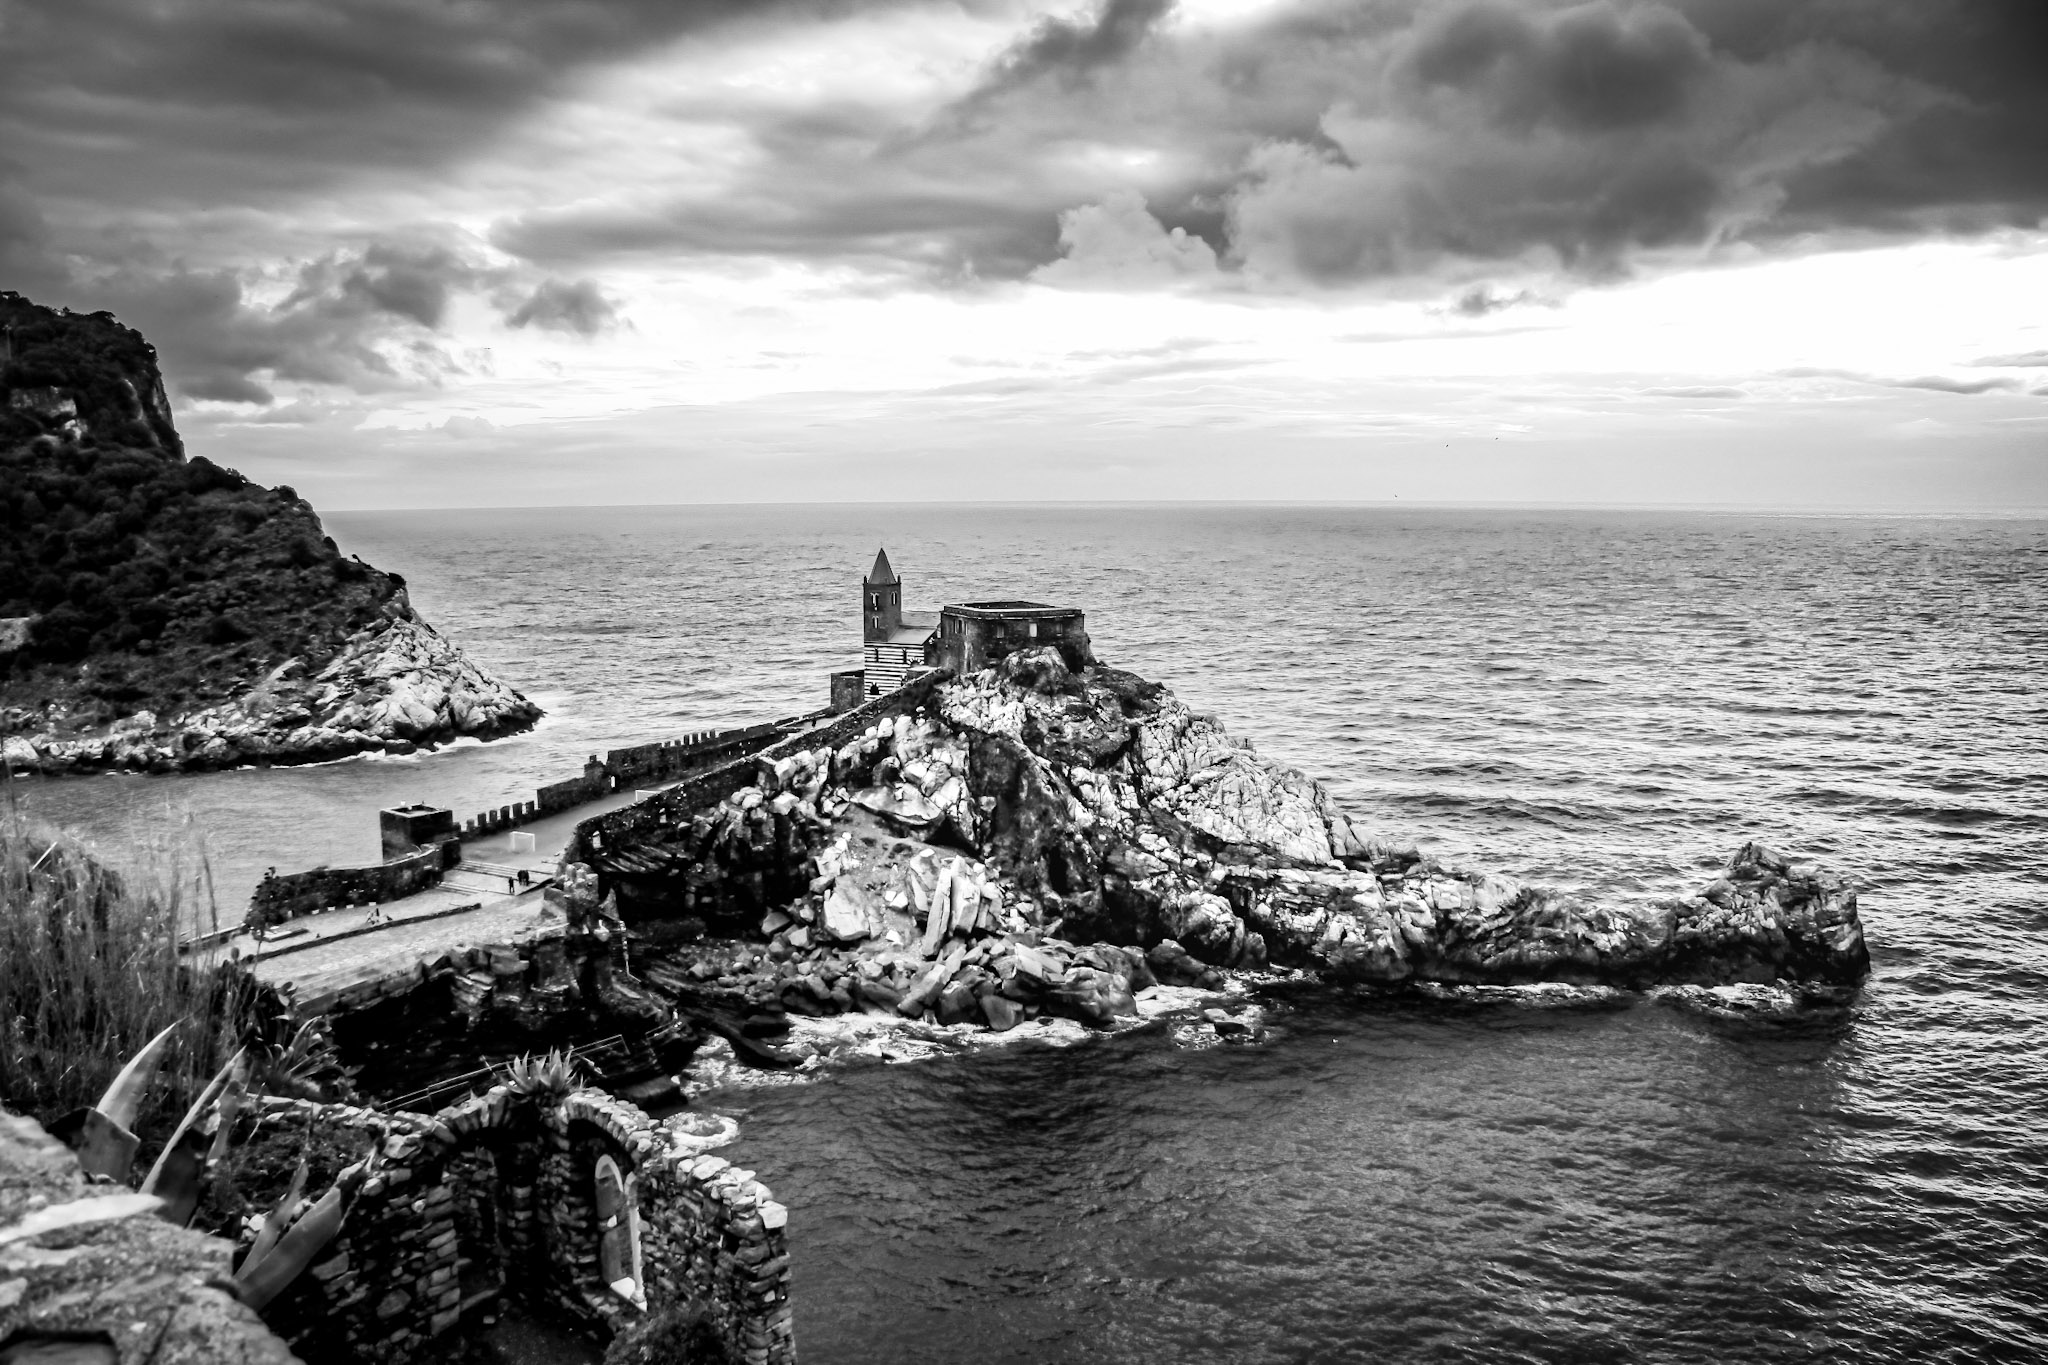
663, 761
680, 802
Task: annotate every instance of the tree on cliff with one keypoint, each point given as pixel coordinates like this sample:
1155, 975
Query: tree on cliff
170, 579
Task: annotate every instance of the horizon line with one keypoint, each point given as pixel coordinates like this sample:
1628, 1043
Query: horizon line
2021, 513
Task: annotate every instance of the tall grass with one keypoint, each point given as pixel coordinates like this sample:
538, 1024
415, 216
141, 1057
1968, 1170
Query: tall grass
90, 971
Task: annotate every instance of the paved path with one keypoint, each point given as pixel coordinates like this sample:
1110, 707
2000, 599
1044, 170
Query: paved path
337, 966
347, 956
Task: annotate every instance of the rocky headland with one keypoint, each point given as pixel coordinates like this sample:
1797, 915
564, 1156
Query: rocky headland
159, 612
1053, 838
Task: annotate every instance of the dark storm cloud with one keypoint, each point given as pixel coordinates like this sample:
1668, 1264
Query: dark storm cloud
1591, 68
577, 306
893, 220
363, 320
1587, 133
250, 97
1326, 142
1972, 159
1071, 47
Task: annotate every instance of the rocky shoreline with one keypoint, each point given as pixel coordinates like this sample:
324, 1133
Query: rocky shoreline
159, 613
394, 686
1043, 842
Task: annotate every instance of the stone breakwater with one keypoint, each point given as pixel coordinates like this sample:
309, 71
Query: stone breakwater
1034, 841
394, 686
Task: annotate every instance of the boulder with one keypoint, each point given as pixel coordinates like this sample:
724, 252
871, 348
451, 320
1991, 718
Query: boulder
845, 915
1173, 965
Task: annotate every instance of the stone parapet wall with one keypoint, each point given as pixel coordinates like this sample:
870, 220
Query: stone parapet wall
661, 761
677, 804
281, 897
389, 1282
671, 757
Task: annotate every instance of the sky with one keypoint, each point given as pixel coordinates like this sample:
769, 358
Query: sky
448, 253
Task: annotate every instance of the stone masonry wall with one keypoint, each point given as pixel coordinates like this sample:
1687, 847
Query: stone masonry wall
501, 1187
658, 762
678, 803
278, 898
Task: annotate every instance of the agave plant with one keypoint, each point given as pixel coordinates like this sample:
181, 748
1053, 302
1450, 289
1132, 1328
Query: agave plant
103, 1134
199, 1140
294, 1233
553, 1075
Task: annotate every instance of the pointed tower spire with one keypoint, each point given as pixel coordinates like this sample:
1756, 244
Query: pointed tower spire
881, 601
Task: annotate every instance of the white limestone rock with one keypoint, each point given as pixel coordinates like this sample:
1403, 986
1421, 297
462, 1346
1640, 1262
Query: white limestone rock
393, 686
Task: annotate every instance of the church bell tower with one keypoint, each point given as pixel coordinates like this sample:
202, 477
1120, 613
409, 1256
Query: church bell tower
881, 601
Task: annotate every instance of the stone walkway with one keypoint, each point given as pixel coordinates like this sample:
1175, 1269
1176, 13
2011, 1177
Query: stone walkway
340, 967
346, 957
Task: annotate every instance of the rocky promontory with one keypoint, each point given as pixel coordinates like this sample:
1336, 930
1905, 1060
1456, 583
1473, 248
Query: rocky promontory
160, 612
1049, 837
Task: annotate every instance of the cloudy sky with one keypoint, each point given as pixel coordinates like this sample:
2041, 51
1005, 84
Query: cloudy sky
516, 252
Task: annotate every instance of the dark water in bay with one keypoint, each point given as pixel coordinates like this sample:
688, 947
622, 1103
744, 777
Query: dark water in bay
1605, 700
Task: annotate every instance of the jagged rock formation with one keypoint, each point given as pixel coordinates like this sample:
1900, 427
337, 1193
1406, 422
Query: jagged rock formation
158, 612
1047, 841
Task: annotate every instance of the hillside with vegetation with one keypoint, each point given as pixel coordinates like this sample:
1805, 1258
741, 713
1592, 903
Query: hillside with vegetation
139, 585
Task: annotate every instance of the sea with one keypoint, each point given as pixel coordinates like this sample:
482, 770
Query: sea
1607, 701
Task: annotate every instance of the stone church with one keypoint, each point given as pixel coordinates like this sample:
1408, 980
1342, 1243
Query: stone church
897, 645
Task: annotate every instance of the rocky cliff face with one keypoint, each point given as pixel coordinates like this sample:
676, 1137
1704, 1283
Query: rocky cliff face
1042, 841
158, 612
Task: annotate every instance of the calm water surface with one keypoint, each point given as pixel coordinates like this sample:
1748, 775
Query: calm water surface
1609, 701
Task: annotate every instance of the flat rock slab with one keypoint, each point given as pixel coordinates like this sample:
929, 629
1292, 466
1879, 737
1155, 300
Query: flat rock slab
137, 1284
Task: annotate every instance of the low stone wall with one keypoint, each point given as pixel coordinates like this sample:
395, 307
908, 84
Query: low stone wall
672, 757
677, 804
281, 897
662, 761
498, 1196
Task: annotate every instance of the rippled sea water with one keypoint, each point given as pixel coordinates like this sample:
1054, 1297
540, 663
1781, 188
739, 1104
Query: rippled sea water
1609, 701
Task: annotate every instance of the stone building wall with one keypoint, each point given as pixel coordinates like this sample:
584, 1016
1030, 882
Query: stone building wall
497, 1196
974, 635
